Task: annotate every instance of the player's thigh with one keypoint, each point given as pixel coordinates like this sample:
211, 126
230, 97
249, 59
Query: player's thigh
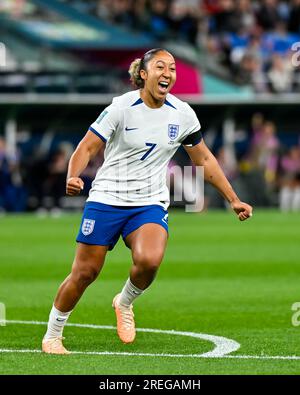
148, 243
89, 258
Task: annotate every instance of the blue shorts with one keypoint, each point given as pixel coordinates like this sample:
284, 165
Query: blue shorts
102, 224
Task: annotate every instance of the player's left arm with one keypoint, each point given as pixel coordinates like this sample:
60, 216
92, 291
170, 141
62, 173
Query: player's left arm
202, 156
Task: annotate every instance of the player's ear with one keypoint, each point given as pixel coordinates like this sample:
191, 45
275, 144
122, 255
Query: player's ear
143, 74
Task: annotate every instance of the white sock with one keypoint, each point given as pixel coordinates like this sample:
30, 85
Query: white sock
56, 323
129, 293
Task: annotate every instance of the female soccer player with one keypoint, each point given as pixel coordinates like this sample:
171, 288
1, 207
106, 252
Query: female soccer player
142, 130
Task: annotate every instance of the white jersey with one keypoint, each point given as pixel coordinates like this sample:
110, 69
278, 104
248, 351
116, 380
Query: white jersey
140, 141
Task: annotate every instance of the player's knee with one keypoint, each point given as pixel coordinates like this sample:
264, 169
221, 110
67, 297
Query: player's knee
85, 277
147, 261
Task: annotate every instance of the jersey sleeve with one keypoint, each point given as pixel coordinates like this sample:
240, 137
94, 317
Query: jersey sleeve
107, 122
192, 134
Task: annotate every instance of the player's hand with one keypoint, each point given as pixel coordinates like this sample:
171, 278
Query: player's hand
74, 186
243, 210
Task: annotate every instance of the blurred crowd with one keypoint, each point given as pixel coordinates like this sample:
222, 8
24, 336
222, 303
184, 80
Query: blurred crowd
36, 181
269, 169
266, 173
256, 41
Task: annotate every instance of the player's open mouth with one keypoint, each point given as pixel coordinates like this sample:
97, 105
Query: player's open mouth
163, 86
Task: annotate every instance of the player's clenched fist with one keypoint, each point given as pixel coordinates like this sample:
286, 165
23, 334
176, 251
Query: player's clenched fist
243, 210
74, 186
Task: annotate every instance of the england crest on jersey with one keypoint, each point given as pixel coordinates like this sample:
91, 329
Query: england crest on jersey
87, 226
173, 131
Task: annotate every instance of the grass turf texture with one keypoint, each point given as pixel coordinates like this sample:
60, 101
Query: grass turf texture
219, 277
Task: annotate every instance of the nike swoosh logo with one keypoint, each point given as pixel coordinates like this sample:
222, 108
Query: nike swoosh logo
128, 129
60, 319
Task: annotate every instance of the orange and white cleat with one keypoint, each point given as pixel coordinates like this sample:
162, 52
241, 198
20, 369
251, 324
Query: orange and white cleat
125, 321
54, 346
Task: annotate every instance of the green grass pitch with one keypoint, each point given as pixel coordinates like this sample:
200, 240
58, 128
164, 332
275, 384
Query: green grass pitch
219, 277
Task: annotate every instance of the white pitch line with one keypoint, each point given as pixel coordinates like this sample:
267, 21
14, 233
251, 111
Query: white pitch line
291, 357
223, 346
131, 354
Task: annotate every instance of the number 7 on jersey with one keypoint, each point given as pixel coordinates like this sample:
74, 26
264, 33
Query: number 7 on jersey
152, 146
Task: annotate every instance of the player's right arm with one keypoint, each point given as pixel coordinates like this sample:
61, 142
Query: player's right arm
85, 151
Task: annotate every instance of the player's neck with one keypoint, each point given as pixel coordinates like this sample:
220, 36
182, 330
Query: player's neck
151, 101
